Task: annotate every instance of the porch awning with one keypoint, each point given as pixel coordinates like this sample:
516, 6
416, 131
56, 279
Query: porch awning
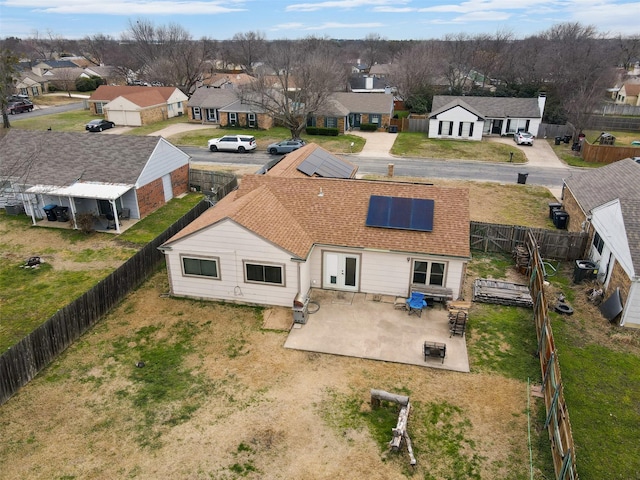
102, 191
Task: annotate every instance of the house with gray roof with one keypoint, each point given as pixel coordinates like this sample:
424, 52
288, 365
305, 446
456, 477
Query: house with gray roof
348, 110
89, 173
471, 118
605, 202
223, 106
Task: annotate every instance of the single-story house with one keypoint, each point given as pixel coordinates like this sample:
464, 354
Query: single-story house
348, 110
131, 105
90, 173
629, 94
28, 83
369, 84
312, 161
223, 106
275, 238
605, 202
466, 117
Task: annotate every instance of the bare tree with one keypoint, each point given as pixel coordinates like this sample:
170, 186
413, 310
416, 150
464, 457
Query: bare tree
374, 50
96, 48
629, 50
414, 75
457, 61
249, 48
8, 63
168, 53
304, 74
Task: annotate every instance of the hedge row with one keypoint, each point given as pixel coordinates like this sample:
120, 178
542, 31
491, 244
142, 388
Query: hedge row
328, 132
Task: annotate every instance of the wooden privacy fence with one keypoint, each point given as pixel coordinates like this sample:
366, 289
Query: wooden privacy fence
23, 361
554, 244
557, 414
606, 153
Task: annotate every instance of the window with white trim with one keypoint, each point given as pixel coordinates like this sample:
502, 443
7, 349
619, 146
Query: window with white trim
429, 273
201, 267
271, 274
251, 120
196, 113
100, 108
233, 118
598, 243
375, 118
465, 129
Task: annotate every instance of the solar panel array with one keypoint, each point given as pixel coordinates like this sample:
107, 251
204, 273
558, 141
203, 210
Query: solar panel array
323, 164
400, 213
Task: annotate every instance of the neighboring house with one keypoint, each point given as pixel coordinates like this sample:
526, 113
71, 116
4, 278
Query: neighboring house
312, 161
346, 110
629, 94
135, 106
90, 173
466, 117
223, 106
381, 70
31, 84
226, 80
276, 237
108, 74
605, 202
368, 84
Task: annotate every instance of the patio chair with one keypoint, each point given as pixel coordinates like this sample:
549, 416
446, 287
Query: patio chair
416, 303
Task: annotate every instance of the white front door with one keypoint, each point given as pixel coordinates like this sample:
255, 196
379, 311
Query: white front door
341, 271
168, 188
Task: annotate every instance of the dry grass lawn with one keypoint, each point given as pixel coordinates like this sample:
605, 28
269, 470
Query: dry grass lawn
250, 409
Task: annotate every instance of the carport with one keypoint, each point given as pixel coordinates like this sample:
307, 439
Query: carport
369, 326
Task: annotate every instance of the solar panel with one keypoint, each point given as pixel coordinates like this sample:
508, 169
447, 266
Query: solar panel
325, 165
400, 213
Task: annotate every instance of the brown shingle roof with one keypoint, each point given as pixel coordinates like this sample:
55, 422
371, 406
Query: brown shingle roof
290, 213
106, 93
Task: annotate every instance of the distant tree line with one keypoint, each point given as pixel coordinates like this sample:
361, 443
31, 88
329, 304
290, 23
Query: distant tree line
572, 64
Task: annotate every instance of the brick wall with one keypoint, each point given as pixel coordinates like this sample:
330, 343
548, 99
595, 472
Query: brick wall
180, 180
150, 197
152, 115
576, 216
619, 279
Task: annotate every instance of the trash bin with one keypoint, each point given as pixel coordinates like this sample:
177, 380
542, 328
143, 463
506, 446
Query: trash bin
522, 178
560, 219
567, 138
49, 211
553, 207
62, 213
558, 140
584, 270
393, 129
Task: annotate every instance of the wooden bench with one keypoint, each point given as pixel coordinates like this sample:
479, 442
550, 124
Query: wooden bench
434, 293
434, 349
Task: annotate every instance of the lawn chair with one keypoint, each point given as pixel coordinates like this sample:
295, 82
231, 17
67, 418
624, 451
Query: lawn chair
416, 303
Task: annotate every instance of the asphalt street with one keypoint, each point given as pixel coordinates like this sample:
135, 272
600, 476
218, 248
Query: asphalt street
409, 167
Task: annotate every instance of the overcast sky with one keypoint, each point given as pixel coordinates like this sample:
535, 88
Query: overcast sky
340, 19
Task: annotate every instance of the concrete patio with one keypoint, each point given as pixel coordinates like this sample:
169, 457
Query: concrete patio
369, 326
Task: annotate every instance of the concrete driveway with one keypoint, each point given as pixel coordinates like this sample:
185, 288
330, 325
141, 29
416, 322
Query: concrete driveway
367, 326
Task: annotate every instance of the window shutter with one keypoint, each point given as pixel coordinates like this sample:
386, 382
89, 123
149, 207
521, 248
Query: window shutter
471, 130
450, 128
460, 129
526, 125
508, 125
439, 128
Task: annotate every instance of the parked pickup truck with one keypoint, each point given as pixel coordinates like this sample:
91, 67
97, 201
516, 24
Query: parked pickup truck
19, 107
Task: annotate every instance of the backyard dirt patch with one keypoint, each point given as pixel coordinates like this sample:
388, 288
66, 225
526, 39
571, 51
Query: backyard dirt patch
264, 412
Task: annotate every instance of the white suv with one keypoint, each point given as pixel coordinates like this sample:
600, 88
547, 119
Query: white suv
233, 143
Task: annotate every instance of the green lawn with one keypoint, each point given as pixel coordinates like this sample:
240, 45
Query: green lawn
414, 144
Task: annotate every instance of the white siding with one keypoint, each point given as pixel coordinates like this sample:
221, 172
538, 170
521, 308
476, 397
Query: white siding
231, 244
123, 112
631, 313
165, 159
456, 115
387, 273
609, 223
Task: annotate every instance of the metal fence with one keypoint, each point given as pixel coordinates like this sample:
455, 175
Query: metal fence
554, 244
24, 360
557, 413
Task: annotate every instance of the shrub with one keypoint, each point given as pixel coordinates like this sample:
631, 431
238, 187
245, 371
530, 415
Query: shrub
327, 132
85, 84
85, 222
368, 127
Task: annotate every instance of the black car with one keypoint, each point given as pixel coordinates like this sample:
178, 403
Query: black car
99, 125
19, 107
